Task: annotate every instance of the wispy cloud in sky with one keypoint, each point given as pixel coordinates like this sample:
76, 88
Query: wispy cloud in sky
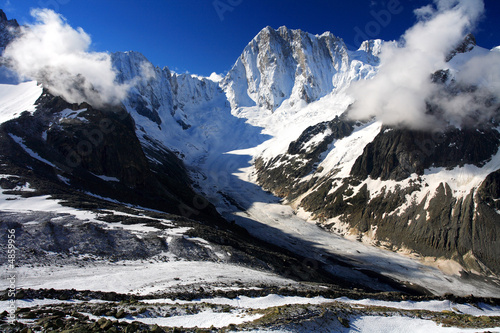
53, 53
399, 94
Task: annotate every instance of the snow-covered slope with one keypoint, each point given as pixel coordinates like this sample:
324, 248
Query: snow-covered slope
189, 115
15, 99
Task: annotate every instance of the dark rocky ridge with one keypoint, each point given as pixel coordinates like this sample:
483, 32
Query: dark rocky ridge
449, 227
101, 142
398, 153
465, 46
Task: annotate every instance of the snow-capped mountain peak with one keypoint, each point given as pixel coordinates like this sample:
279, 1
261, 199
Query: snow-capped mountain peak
285, 64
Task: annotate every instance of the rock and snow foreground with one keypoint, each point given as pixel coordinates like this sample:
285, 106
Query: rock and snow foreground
98, 274
87, 190
323, 315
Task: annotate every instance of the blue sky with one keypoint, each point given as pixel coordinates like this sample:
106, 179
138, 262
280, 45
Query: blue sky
205, 36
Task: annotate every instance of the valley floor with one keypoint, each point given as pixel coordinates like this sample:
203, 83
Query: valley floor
267, 218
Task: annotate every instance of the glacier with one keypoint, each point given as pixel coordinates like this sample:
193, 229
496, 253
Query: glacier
284, 82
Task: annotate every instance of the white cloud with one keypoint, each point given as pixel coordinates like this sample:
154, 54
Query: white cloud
425, 12
53, 53
400, 92
483, 71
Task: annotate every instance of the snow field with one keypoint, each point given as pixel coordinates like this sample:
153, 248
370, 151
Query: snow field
241, 311
142, 277
205, 319
14, 99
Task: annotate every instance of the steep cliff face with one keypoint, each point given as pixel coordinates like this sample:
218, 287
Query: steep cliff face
301, 159
9, 29
396, 154
284, 64
160, 95
180, 111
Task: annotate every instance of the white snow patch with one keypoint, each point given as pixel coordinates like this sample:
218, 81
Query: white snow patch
396, 324
64, 179
107, 178
20, 142
462, 179
123, 203
30, 303
204, 319
24, 188
344, 152
263, 302
315, 140
72, 114
14, 203
137, 229
435, 306
14, 99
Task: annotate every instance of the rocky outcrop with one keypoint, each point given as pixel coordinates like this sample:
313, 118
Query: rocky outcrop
397, 153
302, 158
465, 229
465, 46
